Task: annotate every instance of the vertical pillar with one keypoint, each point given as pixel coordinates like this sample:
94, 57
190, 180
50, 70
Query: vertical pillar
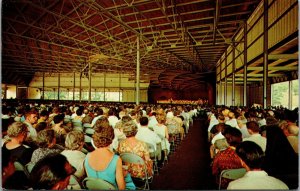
90, 82
104, 85
225, 85
137, 98
80, 86
265, 67
233, 74
245, 64
220, 96
217, 88
43, 94
74, 86
58, 84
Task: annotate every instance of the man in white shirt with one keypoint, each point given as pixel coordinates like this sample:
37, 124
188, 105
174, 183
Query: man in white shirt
232, 120
152, 120
31, 118
255, 178
112, 118
145, 134
255, 136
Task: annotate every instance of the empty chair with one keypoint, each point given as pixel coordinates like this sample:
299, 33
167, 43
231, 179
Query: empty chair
97, 184
231, 174
135, 159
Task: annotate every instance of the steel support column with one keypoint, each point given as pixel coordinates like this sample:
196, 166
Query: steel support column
245, 64
43, 94
58, 84
265, 67
80, 86
225, 85
74, 86
90, 82
233, 74
137, 97
104, 84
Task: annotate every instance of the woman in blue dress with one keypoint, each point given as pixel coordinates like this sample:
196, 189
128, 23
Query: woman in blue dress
104, 164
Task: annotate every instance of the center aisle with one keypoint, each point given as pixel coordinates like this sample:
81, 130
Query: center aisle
189, 167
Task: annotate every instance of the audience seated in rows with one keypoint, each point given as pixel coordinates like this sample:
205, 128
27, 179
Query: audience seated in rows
251, 155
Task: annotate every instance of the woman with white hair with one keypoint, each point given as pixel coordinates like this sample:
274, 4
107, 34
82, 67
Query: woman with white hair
74, 143
17, 133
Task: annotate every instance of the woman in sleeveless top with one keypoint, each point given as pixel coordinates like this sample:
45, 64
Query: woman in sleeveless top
104, 164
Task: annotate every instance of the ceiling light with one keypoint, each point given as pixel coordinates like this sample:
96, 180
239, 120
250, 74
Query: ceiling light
173, 45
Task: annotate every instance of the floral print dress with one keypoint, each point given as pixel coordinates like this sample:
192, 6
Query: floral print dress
140, 149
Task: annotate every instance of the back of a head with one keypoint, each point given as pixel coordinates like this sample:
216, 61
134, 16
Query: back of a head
231, 115
253, 125
79, 112
221, 118
110, 112
49, 171
126, 118
233, 136
45, 138
221, 144
102, 122
44, 113
58, 118
144, 121
99, 111
74, 140
103, 137
251, 154
129, 128
271, 121
16, 128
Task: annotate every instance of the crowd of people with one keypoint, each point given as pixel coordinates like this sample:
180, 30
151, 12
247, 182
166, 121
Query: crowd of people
77, 135
66, 140
263, 141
